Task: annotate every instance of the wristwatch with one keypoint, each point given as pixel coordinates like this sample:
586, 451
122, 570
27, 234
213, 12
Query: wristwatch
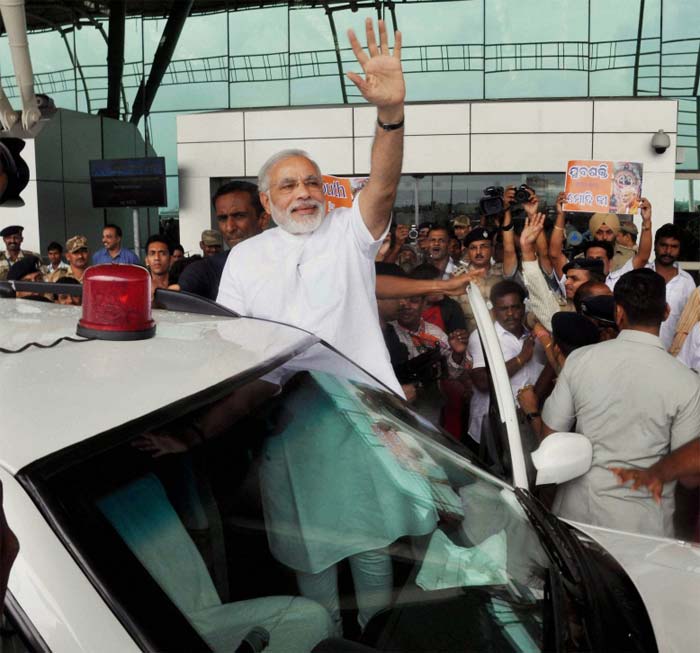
530, 416
390, 127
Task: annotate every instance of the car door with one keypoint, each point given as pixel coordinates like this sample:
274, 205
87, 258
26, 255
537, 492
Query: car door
506, 439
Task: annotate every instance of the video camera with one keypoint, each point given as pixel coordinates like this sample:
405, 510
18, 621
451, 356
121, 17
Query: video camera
491, 203
426, 368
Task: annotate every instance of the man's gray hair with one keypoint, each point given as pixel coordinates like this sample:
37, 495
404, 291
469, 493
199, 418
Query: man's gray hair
264, 174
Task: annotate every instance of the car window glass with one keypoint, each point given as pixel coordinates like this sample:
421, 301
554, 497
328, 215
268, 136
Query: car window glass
318, 509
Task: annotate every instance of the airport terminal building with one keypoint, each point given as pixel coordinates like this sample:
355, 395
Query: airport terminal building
499, 92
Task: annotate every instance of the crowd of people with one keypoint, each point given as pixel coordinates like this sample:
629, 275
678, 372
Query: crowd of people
602, 338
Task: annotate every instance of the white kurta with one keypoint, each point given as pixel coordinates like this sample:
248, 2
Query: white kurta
323, 282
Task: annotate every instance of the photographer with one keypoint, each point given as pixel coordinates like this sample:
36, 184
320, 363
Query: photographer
397, 238
432, 355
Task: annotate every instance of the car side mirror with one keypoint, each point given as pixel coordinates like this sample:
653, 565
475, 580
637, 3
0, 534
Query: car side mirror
562, 457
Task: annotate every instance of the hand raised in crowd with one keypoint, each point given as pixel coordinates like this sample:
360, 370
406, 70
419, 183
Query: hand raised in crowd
559, 202
649, 478
645, 209
383, 84
459, 339
533, 226
528, 236
532, 205
401, 234
528, 349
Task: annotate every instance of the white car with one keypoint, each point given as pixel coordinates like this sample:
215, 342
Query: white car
167, 497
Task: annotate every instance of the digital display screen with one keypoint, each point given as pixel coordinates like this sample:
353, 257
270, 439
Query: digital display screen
128, 182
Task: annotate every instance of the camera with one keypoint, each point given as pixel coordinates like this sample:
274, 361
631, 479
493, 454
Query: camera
522, 194
492, 204
413, 232
425, 369
660, 141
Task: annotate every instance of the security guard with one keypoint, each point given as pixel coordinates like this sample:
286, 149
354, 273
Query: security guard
78, 260
13, 238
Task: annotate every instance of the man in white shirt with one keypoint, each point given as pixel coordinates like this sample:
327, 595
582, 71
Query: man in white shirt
689, 354
634, 402
679, 284
325, 281
523, 355
55, 256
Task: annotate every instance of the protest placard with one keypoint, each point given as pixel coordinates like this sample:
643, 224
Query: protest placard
338, 192
603, 186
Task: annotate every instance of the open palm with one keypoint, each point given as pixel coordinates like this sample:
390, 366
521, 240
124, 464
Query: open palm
383, 83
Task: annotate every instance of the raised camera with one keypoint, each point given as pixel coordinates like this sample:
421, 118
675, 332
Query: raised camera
522, 194
491, 202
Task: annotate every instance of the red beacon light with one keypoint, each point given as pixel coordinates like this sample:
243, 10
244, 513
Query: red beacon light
116, 303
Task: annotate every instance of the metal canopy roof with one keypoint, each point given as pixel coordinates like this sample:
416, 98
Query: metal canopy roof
43, 15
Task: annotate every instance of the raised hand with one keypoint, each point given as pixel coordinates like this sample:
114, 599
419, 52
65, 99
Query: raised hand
532, 205
533, 227
559, 203
383, 83
401, 235
645, 209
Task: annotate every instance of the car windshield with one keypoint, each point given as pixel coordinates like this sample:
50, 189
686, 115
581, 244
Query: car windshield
299, 506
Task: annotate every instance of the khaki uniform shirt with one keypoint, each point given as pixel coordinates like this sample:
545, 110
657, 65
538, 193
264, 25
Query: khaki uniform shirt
635, 403
622, 255
493, 275
5, 262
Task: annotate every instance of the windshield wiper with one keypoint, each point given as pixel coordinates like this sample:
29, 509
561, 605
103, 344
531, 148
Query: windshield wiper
571, 561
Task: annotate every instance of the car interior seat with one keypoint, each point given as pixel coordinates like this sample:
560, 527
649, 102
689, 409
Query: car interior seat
144, 518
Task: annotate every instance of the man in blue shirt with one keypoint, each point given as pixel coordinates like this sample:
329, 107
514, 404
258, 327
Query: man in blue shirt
112, 251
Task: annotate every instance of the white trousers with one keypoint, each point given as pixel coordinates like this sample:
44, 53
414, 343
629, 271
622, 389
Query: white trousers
372, 577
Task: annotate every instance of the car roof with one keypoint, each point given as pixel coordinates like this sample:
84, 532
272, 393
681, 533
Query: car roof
51, 398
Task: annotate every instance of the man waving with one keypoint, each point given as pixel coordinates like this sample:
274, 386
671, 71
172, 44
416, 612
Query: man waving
325, 281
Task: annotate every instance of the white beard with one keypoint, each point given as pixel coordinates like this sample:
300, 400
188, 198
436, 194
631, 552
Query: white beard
304, 224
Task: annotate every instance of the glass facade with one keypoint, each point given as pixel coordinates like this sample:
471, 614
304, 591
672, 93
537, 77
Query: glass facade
284, 55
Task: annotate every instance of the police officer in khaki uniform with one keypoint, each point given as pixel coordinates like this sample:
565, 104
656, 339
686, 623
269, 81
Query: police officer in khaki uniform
78, 259
478, 252
13, 238
625, 245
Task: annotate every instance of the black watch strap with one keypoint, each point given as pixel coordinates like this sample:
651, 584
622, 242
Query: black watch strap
390, 127
531, 416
